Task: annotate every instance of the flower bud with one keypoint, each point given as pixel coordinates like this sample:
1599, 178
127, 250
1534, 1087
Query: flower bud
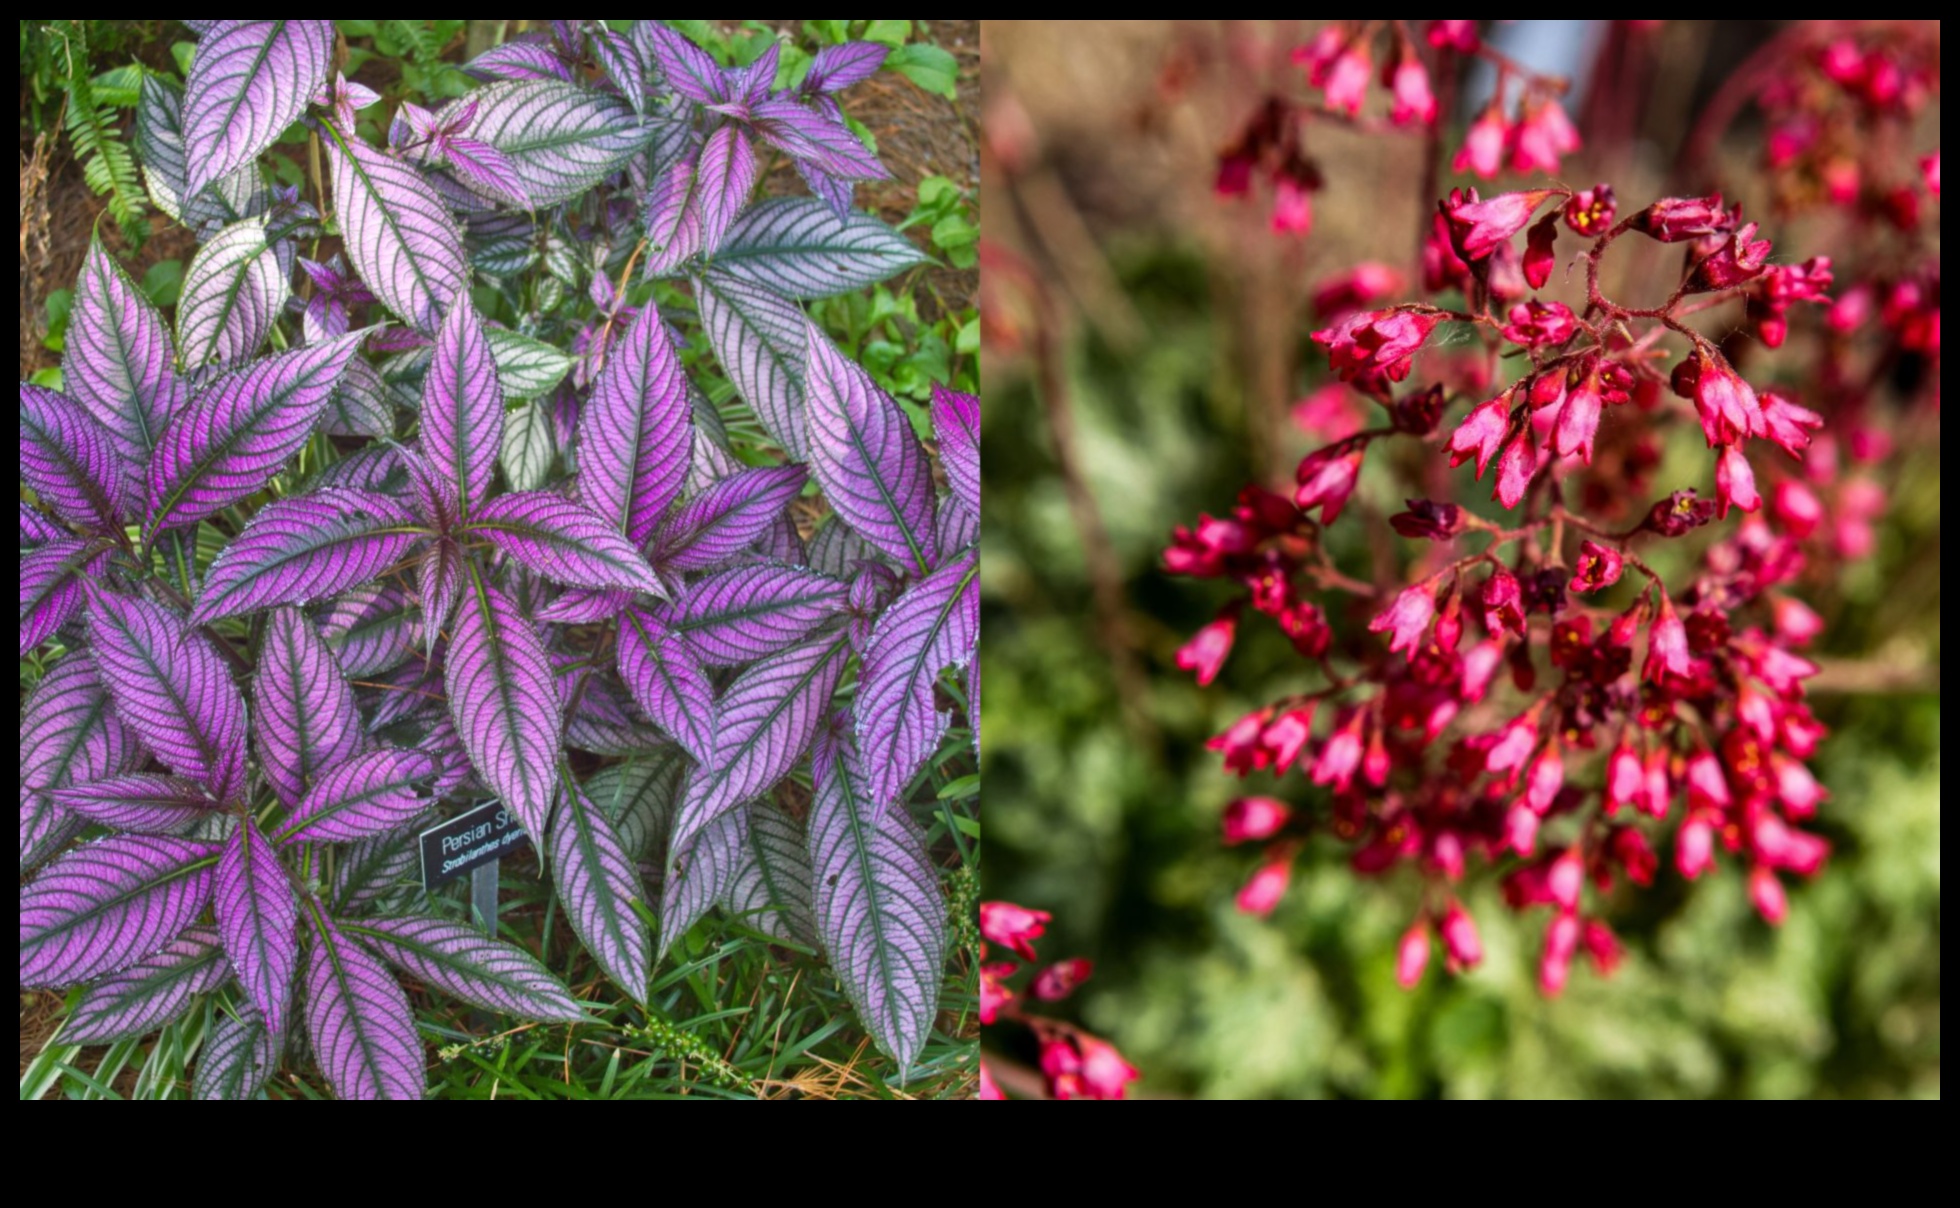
1254, 818
1012, 926
1561, 941
1407, 619
1206, 652
1268, 884
1412, 955
1460, 942
1060, 979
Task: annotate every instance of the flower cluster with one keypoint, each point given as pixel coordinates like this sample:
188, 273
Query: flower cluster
1535, 692
1523, 126
1074, 1063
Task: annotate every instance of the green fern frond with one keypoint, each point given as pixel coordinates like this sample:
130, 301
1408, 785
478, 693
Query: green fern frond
107, 165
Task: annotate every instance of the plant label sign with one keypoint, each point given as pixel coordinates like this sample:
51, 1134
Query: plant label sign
467, 840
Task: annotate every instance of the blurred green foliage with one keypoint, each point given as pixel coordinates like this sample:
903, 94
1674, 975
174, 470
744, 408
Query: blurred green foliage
1116, 831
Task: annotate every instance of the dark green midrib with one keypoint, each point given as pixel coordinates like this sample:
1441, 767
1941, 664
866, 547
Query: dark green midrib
174, 873
235, 285
348, 999
876, 475
138, 410
374, 195
79, 473
746, 613
267, 569
946, 610
596, 873
748, 744
861, 856
202, 466
238, 99
204, 745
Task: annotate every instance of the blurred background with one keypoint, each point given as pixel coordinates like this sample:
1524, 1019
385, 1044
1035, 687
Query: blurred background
1145, 344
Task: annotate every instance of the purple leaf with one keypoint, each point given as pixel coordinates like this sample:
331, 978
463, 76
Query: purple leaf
172, 688
564, 541
636, 432
143, 802
109, 904
604, 721
368, 795
482, 167
68, 461
561, 139
619, 56
666, 679
751, 84
462, 408
68, 734
808, 133
520, 60
462, 961
673, 219
638, 797
685, 67
371, 869
160, 145
758, 336
37, 528
763, 723
239, 430
439, 578
726, 519
361, 405
934, 625
866, 458
953, 526
306, 719
836, 68
248, 82
879, 910
504, 703
799, 247
834, 193
836, 550
379, 468
118, 365
369, 629
743, 614
703, 873
780, 542
258, 916
233, 291
583, 606
399, 234
363, 1031
956, 422
598, 884
150, 993
724, 176
875, 586
771, 888
51, 586
306, 548
237, 1059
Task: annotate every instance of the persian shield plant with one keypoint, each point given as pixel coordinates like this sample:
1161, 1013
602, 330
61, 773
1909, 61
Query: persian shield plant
452, 525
